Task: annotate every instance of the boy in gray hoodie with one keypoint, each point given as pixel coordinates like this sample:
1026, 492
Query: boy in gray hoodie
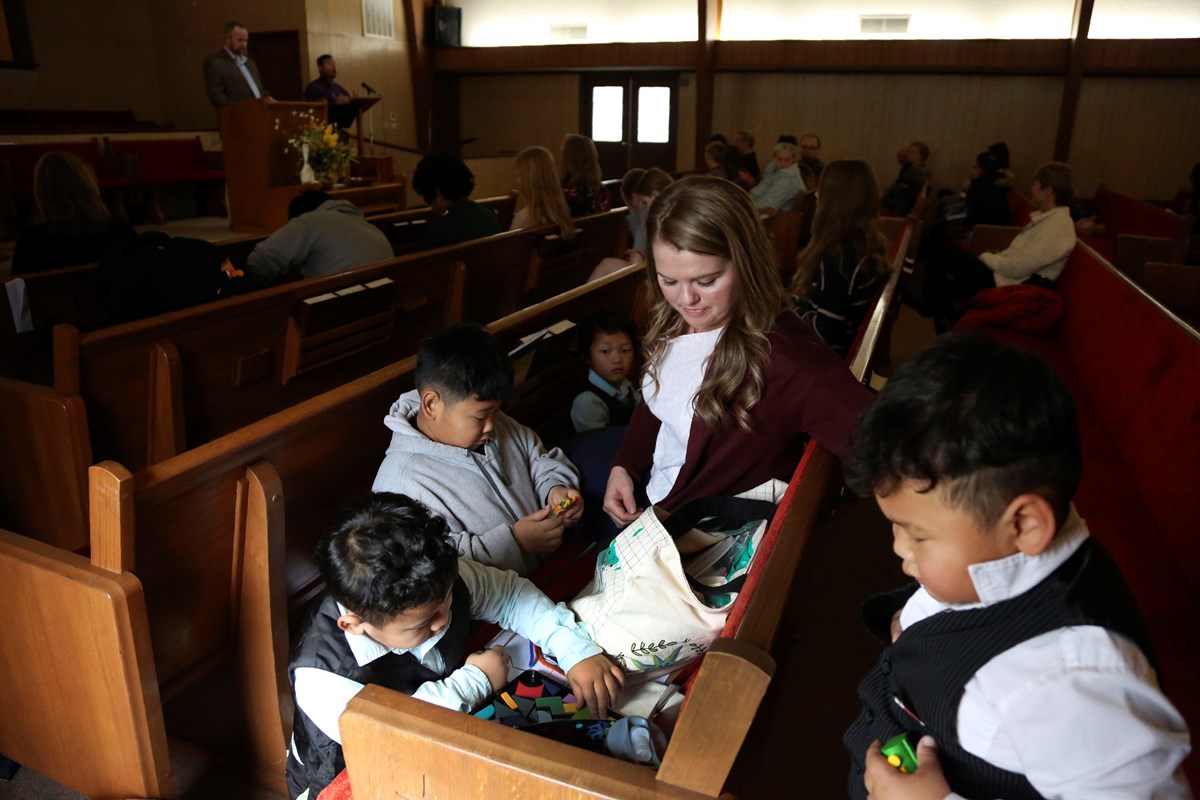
486, 474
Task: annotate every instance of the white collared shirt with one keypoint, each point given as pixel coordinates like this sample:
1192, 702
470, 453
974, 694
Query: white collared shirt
498, 596
1078, 710
589, 412
240, 60
1041, 248
673, 401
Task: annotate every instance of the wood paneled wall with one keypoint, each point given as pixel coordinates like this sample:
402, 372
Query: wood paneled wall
185, 33
1140, 136
95, 56
505, 113
335, 27
869, 116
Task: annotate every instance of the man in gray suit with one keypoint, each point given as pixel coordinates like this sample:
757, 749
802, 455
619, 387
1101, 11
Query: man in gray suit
230, 76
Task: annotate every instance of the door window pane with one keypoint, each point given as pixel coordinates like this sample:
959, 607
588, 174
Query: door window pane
654, 114
608, 113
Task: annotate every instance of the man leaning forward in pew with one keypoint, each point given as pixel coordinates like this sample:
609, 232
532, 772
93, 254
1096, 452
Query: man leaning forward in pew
397, 611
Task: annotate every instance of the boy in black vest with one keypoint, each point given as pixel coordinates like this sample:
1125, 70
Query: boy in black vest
1018, 659
397, 611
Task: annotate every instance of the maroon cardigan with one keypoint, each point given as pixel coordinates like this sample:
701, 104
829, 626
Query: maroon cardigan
809, 391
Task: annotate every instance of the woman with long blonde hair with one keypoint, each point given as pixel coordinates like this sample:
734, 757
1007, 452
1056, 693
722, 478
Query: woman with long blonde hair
840, 271
734, 382
581, 179
538, 191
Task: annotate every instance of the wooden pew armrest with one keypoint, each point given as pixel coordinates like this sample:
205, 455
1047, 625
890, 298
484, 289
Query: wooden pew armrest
397, 746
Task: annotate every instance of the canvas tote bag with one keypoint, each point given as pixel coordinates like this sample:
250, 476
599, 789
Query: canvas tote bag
664, 586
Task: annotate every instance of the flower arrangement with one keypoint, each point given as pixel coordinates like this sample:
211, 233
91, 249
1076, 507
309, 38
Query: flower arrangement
327, 153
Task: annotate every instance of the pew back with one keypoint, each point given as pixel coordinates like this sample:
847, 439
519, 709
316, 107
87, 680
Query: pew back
234, 361
80, 658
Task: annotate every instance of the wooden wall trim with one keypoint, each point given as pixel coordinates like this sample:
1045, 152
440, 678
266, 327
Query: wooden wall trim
709, 27
1081, 21
1148, 57
421, 63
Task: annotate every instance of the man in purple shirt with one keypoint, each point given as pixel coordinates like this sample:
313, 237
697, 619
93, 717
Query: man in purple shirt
328, 89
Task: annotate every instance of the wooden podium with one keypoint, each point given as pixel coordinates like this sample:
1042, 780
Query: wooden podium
262, 172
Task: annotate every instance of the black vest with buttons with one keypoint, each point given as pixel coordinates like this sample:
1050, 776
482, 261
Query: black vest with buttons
618, 412
321, 644
931, 662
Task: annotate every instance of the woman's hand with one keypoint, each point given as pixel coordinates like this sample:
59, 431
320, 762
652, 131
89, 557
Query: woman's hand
619, 502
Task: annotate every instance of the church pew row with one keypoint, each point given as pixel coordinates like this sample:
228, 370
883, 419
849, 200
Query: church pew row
1136, 232
1136, 387
406, 229
186, 527
398, 746
243, 358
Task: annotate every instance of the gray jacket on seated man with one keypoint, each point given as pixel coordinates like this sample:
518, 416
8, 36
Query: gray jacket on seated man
322, 236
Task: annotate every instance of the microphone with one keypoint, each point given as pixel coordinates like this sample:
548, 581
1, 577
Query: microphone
367, 86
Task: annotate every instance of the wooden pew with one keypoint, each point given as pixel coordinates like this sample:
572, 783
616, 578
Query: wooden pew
397, 746
43, 492
1176, 286
194, 529
82, 703
1135, 232
228, 363
405, 229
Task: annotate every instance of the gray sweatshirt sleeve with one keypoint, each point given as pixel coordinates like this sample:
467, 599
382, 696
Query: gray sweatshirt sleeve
496, 547
549, 468
275, 256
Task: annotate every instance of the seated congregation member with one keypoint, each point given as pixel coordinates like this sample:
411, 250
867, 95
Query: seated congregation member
1000, 152
1018, 657
650, 185
397, 611
899, 198
748, 170
1036, 256
446, 183
839, 273
987, 194
322, 236
635, 217
778, 188
454, 450
581, 178
540, 196
74, 226
608, 341
714, 160
810, 150
735, 382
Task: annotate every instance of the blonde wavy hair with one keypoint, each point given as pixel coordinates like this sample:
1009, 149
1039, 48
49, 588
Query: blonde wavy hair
712, 216
581, 162
537, 177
